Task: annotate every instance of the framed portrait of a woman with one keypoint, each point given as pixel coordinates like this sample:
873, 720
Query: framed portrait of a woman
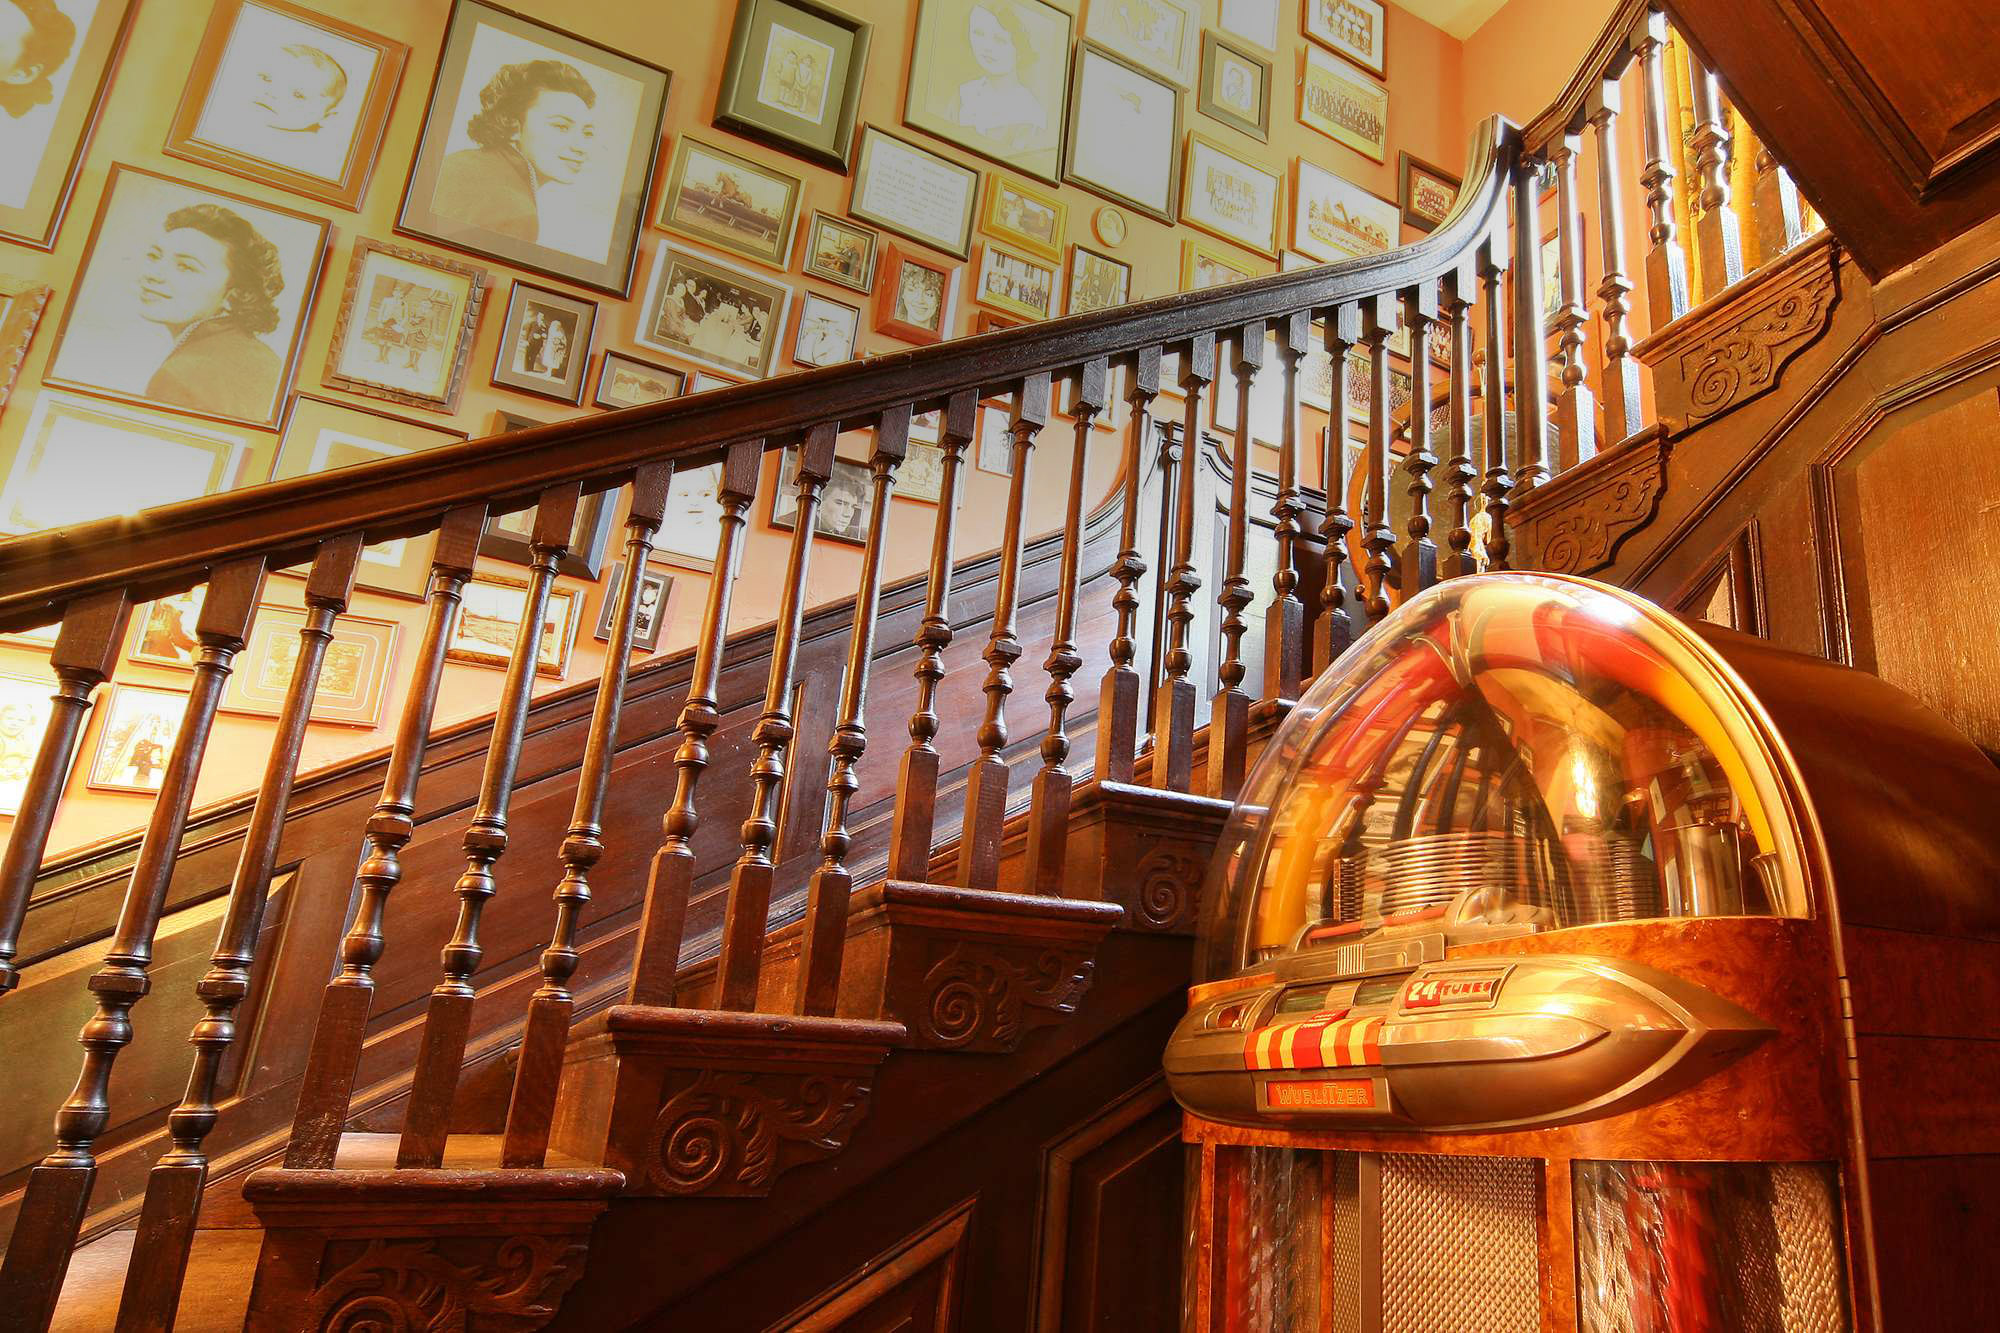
53, 77
537, 149
792, 78
190, 299
989, 75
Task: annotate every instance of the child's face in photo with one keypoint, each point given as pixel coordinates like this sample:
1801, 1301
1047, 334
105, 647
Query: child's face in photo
295, 92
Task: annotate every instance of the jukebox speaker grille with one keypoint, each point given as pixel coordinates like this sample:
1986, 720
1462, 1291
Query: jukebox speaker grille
1458, 1245
1345, 1257
1807, 1214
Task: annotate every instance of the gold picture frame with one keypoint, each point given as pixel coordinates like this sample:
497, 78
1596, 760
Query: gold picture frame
1231, 198
1025, 217
80, 459
1346, 107
354, 674
74, 93
1014, 283
1204, 266
1106, 152
421, 307
841, 252
483, 634
1228, 73
990, 77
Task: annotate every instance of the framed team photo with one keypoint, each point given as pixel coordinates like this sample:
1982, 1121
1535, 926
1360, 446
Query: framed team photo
1352, 28
989, 76
404, 332
1426, 192
52, 85
1015, 283
545, 343
713, 312
1348, 108
792, 78
715, 196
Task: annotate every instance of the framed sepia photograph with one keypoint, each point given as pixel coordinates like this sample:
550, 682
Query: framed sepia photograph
626, 381
711, 311
288, 97
1344, 106
1124, 133
1235, 87
21, 307
846, 502
1352, 28
826, 332
914, 192
537, 149
1426, 193
1335, 219
840, 252
24, 715
745, 208
1227, 197
191, 299
1204, 266
913, 300
137, 736
1023, 216
510, 536
352, 677
651, 618
1251, 20
693, 523
921, 477
1158, 35
1097, 282
993, 447
989, 76
404, 333
1014, 282
163, 630
53, 79
793, 78
545, 343
489, 618
81, 459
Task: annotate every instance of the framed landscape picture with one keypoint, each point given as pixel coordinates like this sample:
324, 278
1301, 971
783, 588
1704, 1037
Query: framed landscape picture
711, 311
715, 196
1335, 219
545, 343
1023, 216
489, 618
651, 617
1096, 281
1228, 197
1427, 193
793, 78
1352, 28
352, 677
1015, 283
626, 381
137, 736
914, 192
289, 97
840, 252
1159, 35
1346, 107
826, 332
846, 502
913, 299
81, 459
988, 75
50, 98
404, 333
1124, 133
1235, 87
537, 149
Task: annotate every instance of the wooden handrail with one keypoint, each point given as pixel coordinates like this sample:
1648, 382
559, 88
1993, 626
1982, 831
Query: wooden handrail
1605, 61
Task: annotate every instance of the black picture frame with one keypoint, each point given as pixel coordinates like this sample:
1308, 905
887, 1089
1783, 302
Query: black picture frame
732, 114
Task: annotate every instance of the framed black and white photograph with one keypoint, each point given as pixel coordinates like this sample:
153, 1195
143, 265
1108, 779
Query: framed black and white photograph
746, 208
81, 459
989, 75
1427, 193
545, 343
1024, 216
1097, 281
826, 332
993, 447
190, 299
1235, 87
1159, 35
845, 502
711, 311
840, 252
1124, 133
537, 149
1351, 28
404, 332
921, 477
914, 192
792, 78
626, 381
651, 617
54, 74
913, 301
489, 617
510, 537
693, 525
163, 630
1015, 283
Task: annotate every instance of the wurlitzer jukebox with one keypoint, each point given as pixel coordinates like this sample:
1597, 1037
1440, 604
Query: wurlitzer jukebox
1569, 966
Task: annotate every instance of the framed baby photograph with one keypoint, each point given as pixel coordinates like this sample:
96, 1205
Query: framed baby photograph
745, 208
651, 618
1352, 28
136, 739
1427, 193
545, 343
1228, 197
913, 300
1235, 87
1023, 216
840, 252
537, 149
626, 381
792, 78
1015, 283
1097, 281
846, 502
989, 76
352, 677
190, 299
53, 79
289, 97
826, 331
21, 307
711, 311
1344, 106
1124, 133
81, 459
1335, 219
489, 617
1159, 35
404, 332
914, 192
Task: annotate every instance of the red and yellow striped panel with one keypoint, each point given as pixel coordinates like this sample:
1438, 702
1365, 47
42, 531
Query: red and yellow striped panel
1325, 1040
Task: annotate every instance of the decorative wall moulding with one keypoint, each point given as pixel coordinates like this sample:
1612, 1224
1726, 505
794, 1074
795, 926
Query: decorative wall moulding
1576, 523
1144, 849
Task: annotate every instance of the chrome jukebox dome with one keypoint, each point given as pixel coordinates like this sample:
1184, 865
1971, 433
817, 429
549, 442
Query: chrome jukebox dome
1503, 755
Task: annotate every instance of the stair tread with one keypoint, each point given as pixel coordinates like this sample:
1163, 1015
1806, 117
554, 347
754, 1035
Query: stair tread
214, 1298
362, 1150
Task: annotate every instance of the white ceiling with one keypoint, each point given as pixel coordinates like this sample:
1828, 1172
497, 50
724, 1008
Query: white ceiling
1460, 18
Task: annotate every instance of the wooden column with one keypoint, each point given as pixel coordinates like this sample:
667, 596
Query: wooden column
1285, 620
1531, 343
1666, 261
1118, 695
824, 934
1336, 628
1781, 219
1498, 480
1621, 368
1173, 702
327, 1087
671, 879
916, 790
1718, 235
1461, 475
1229, 709
1576, 408
448, 1017
1418, 563
1377, 538
986, 785
538, 1071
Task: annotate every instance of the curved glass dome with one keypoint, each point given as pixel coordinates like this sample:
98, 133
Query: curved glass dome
1506, 754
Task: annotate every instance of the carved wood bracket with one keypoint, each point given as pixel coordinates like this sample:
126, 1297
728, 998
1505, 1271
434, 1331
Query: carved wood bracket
1576, 523
1144, 849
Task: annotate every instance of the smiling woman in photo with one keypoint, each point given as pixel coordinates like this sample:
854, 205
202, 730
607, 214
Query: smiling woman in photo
212, 281
535, 131
35, 39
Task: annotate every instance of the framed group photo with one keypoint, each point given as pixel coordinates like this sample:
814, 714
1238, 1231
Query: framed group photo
713, 312
732, 202
1351, 28
1015, 283
1124, 133
1426, 192
545, 343
1025, 217
914, 192
792, 78
51, 93
1347, 107
989, 76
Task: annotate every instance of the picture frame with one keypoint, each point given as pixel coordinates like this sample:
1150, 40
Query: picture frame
654, 589
136, 738
1334, 219
1254, 21
1425, 193
21, 307
717, 197
489, 617
1204, 266
1160, 36
626, 381
510, 537
53, 114
290, 98
1025, 217
1097, 281
914, 297
1353, 29
353, 676
911, 191
846, 502
1015, 283
792, 78
25, 708
544, 346
693, 525
80, 459
840, 252
42, 638
921, 477
157, 316
163, 630
986, 321
1346, 107
405, 303
496, 71
993, 444
706, 382
1235, 87
1551, 274
825, 332
1230, 198
1124, 133
710, 311
990, 77
1110, 226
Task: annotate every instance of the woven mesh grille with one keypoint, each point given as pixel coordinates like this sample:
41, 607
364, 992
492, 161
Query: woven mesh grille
1807, 1212
1278, 1240
1458, 1245
1346, 1247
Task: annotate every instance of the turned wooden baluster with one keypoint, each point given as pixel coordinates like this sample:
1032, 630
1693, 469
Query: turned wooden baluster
173, 1189
85, 652
327, 1088
1173, 702
824, 934
1418, 562
916, 790
538, 1071
986, 786
1717, 233
58, 1189
1336, 628
1118, 695
1377, 537
448, 1018
1167, 462
1285, 618
1666, 261
1461, 476
750, 882
1576, 408
1493, 398
670, 882
1621, 368
1048, 818
1229, 707
1531, 339
1781, 217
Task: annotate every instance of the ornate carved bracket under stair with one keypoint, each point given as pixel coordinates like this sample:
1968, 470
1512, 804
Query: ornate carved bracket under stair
1146, 850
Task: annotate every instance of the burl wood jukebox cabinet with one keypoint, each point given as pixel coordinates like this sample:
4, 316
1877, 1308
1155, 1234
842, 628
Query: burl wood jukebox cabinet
1566, 966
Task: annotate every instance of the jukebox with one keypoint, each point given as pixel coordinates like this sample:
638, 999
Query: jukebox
1568, 966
